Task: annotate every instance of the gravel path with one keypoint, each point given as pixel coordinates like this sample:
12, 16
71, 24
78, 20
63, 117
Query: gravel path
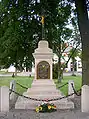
59, 114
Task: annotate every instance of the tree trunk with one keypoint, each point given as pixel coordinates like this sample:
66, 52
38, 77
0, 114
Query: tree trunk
59, 69
59, 62
83, 23
73, 71
15, 71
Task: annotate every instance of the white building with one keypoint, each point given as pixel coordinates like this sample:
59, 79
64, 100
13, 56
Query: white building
11, 69
78, 64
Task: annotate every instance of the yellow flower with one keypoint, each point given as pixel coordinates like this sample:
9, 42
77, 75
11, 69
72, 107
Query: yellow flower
37, 109
40, 108
49, 107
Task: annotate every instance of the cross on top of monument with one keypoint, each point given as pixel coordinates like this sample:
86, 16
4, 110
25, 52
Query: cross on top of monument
43, 30
42, 20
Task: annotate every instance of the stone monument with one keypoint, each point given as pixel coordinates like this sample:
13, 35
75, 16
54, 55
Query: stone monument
43, 86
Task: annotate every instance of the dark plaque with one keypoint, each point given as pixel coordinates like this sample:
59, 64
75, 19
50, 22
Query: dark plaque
43, 70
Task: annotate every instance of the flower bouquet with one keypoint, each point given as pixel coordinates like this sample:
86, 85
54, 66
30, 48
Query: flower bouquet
46, 107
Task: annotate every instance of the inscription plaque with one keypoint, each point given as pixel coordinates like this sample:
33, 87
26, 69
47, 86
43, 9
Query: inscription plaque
43, 70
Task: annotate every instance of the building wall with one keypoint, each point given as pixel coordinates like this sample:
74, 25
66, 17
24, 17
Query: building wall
69, 65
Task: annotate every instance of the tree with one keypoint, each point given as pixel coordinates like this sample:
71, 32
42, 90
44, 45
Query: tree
21, 28
83, 22
75, 54
76, 41
16, 38
59, 33
59, 45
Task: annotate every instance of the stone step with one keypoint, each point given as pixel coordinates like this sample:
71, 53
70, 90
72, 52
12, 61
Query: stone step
43, 86
37, 92
23, 99
43, 81
43, 92
41, 96
48, 84
42, 89
23, 103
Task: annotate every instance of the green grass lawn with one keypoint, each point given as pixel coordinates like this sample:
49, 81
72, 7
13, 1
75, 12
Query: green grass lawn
27, 81
24, 80
5, 72
77, 82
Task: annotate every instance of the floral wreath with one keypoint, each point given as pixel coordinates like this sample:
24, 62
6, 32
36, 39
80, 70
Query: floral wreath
46, 107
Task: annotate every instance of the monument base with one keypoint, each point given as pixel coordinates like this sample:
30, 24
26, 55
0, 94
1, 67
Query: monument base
43, 89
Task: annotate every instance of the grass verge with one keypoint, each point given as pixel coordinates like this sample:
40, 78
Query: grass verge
77, 82
23, 80
27, 81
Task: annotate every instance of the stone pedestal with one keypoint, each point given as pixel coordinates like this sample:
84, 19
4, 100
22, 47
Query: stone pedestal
4, 99
85, 99
43, 61
70, 88
12, 87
